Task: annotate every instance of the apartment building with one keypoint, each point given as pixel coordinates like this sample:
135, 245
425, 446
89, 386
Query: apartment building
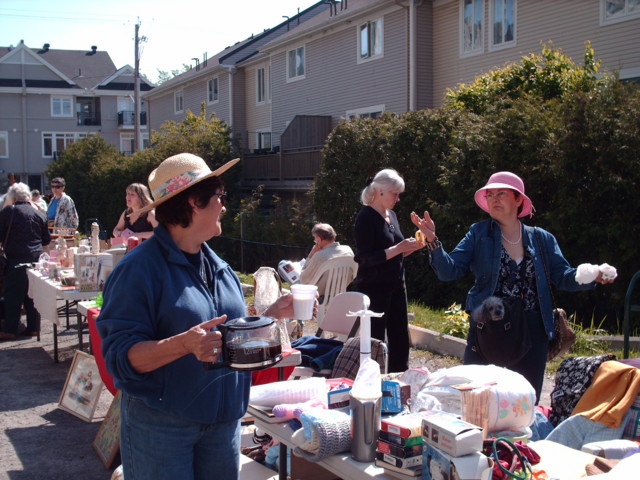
50, 98
283, 92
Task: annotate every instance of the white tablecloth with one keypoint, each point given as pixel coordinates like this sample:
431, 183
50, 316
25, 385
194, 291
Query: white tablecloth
45, 294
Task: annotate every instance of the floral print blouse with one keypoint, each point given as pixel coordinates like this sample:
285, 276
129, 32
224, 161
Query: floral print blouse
518, 280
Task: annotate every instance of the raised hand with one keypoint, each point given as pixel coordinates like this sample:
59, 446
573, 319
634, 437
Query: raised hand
426, 225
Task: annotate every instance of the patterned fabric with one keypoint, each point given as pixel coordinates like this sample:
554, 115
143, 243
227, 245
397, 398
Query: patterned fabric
572, 379
178, 182
348, 362
518, 280
66, 214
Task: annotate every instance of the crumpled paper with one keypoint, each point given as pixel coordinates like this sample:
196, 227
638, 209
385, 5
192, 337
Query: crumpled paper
587, 272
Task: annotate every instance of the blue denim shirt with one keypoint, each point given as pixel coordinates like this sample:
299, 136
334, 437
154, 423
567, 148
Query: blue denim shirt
479, 253
155, 293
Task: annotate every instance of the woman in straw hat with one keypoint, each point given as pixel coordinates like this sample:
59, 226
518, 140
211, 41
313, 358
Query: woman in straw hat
504, 255
161, 305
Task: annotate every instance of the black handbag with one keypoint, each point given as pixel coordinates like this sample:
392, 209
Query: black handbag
504, 342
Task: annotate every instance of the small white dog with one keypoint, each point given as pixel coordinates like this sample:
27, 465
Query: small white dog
491, 309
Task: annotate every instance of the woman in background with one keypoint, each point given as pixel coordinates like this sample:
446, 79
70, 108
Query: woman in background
380, 250
132, 220
28, 232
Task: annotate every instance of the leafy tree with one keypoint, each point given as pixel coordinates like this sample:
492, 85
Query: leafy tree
572, 135
545, 76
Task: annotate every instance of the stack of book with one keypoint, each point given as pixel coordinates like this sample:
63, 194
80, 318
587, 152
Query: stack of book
399, 449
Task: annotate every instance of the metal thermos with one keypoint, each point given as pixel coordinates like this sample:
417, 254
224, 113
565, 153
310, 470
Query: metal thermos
365, 425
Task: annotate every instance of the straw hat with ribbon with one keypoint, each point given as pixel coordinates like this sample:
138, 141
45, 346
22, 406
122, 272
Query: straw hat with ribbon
177, 173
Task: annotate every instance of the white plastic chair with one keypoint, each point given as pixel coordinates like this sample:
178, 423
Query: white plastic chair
339, 272
337, 324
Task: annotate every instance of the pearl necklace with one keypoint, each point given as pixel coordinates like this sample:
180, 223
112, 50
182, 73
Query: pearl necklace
517, 241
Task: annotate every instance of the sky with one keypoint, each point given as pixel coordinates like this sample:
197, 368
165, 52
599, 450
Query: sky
174, 32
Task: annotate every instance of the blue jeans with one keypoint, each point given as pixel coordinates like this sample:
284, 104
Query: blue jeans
156, 446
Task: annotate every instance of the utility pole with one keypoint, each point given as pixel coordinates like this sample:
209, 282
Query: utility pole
136, 94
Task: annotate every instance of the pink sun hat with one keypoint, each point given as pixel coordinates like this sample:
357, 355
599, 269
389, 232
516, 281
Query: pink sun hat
505, 180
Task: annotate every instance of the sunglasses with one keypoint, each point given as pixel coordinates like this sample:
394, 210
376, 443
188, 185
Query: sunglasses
55, 187
221, 196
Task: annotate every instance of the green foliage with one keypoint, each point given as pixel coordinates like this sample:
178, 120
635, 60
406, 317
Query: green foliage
573, 137
97, 174
545, 76
456, 321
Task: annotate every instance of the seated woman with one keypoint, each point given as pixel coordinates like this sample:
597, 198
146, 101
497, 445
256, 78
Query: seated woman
132, 222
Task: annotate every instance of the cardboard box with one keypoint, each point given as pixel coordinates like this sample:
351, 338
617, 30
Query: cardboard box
398, 440
399, 451
451, 435
405, 426
395, 395
437, 465
338, 396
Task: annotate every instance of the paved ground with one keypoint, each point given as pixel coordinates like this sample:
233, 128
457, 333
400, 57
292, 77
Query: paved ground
39, 441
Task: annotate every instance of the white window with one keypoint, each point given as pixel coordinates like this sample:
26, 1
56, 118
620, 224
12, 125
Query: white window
614, 11
4, 144
295, 64
370, 40
127, 143
471, 28
261, 85
61, 106
178, 103
212, 90
263, 140
53, 142
503, 16
367, 112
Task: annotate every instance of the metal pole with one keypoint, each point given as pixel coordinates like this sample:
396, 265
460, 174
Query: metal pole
136, 95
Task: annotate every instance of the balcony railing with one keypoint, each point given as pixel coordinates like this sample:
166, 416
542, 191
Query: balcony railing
126, 118
89, 119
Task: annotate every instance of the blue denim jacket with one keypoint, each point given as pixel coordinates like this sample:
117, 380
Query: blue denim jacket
479, 253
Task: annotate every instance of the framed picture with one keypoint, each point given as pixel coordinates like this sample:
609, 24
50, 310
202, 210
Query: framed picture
107, 441
83, 387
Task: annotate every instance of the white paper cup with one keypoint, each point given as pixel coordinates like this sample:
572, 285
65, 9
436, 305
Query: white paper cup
304, 297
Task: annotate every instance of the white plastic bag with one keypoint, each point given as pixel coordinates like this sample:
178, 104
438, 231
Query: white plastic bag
368, 383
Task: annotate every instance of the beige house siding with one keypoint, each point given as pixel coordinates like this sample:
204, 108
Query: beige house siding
566, 25
258, 115
334, 82
161, 110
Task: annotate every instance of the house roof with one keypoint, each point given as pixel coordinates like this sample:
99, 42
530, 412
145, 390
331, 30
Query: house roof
341, 12
245, 49
85, 68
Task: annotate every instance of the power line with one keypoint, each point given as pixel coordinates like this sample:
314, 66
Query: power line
58, 17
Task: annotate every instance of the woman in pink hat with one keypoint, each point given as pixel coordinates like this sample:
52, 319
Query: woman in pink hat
508, 259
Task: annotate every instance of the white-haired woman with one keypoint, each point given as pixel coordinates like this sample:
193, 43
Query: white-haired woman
23, 231
380, 249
